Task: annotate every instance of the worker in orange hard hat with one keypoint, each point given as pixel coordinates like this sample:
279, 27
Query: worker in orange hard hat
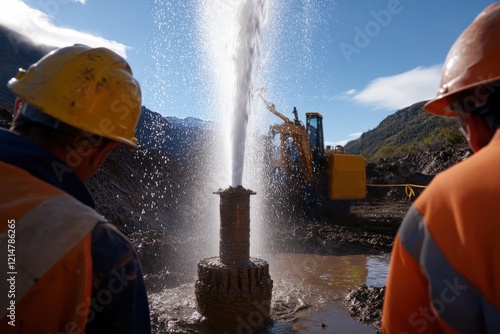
445, 267
68, 270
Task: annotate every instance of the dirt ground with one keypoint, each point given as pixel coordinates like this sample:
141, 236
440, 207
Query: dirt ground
369, 229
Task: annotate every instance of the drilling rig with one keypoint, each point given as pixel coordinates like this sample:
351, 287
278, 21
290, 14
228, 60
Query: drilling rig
304, 172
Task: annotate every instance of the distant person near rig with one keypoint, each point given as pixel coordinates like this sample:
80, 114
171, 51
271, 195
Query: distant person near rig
445, 267
68, 270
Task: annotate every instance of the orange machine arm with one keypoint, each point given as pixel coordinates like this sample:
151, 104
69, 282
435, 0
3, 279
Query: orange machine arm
270, 106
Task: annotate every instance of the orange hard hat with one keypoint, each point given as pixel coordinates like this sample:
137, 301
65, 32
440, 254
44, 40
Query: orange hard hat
472, 61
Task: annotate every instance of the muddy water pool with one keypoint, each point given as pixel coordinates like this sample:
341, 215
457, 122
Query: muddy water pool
307, 295
318, 284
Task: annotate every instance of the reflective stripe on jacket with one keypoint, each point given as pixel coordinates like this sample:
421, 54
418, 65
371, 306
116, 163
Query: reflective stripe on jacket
52, 256
445, 266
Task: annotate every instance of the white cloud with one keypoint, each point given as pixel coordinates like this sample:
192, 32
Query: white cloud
39, 28
80, 1
345, 95
335, 143
351, 136
401, 90
350, 92
355, 135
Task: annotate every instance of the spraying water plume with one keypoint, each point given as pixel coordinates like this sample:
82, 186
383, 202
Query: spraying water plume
231, 35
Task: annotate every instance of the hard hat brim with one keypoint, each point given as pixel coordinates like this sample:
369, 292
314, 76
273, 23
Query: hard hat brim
132, 142
440, 105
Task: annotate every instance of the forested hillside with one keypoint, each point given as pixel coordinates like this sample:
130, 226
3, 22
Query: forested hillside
407, 130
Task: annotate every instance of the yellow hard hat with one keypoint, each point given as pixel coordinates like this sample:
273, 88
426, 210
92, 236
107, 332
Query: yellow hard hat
472, 61
91, 89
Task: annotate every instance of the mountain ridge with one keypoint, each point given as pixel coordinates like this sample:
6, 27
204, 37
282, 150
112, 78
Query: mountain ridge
408, 129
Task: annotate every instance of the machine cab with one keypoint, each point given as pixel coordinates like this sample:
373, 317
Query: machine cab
314, 126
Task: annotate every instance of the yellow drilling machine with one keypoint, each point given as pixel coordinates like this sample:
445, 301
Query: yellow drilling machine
306, 173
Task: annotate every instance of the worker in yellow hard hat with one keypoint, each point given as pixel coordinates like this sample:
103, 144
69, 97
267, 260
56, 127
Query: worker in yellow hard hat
445, 267
67, 269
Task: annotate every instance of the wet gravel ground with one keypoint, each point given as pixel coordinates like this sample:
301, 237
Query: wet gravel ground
365, 303
369, 228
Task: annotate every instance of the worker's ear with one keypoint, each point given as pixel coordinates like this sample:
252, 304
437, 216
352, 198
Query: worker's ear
17, 106
90, 152
477, 131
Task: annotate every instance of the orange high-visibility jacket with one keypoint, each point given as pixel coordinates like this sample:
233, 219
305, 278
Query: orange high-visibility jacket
445, 267
50, 264
63, 268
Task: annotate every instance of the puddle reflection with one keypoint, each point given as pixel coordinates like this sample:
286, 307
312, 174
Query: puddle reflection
378, 267
334, 274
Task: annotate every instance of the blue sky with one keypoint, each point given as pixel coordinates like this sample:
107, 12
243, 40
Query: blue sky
355, 62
